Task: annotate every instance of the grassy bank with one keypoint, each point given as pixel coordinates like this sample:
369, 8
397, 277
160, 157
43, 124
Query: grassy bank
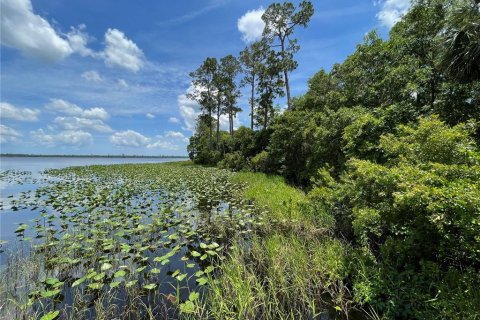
291, 269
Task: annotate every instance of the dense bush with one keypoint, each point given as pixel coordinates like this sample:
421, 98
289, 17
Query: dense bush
418, 210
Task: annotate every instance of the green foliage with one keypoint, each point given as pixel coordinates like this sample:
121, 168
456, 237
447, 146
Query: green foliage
418, 209
234, 161
261, 162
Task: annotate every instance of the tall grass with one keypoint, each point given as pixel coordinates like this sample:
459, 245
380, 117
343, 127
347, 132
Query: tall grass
291, 269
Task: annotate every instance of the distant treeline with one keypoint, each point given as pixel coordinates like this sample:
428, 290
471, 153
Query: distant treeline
84, 156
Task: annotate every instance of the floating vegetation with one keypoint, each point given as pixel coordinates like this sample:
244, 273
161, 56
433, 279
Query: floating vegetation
139, 240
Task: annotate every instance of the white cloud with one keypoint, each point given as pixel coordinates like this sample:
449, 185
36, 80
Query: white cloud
68, 137
30, 33
251, 25
392, 11
95, 113
173, 120
78, 39
172, 140
71, 109
129, 138
189, 110
163, 145
92, 76
75, 123
8, 134
150, 116
121, 51
122, 83
174, 134
9, 111
35, 37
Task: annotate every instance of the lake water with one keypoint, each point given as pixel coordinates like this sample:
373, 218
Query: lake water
32, 167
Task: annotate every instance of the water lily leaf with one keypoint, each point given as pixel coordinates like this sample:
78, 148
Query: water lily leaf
119, 274
95, 285
50, 293
138, 270
131, 283
195, 253
164, 262
105, 266
209, 269
181, 276
202, 281
51, 315
99, 276
193, 296
187, 307
114, 284
78, 281
150, 286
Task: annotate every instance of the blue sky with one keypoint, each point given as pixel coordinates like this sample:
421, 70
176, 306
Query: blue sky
110, 77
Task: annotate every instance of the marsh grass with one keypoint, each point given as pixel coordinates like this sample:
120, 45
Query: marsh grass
291, 269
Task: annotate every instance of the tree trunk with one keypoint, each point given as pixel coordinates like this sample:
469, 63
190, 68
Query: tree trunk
287, 87
211, 127
285, 73
218, 126
252, 102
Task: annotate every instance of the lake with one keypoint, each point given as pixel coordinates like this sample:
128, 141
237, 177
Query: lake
9, 220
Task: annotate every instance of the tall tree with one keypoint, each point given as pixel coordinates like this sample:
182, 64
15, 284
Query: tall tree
270, 85
229, 69
280, 22
252, 58
203, 83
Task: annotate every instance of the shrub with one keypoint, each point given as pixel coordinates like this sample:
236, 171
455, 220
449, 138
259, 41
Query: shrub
234, 161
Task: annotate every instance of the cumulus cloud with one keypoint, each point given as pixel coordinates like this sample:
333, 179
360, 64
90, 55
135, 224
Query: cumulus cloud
150, 116
8, 134
251, 25
129, 138
67, 138
92, 76
75, 123
35, 37
161, 144
392, 11
30, 33
9, 111
171, 140
176, 135
173, 120
78, 39
121, 51
71, 109
189, 110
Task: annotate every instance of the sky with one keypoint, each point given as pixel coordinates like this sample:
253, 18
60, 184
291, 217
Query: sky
110, 76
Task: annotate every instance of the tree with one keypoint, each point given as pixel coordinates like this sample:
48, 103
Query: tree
269, 87
280, 22
252, 58
461, 56
229, 69
204, 87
